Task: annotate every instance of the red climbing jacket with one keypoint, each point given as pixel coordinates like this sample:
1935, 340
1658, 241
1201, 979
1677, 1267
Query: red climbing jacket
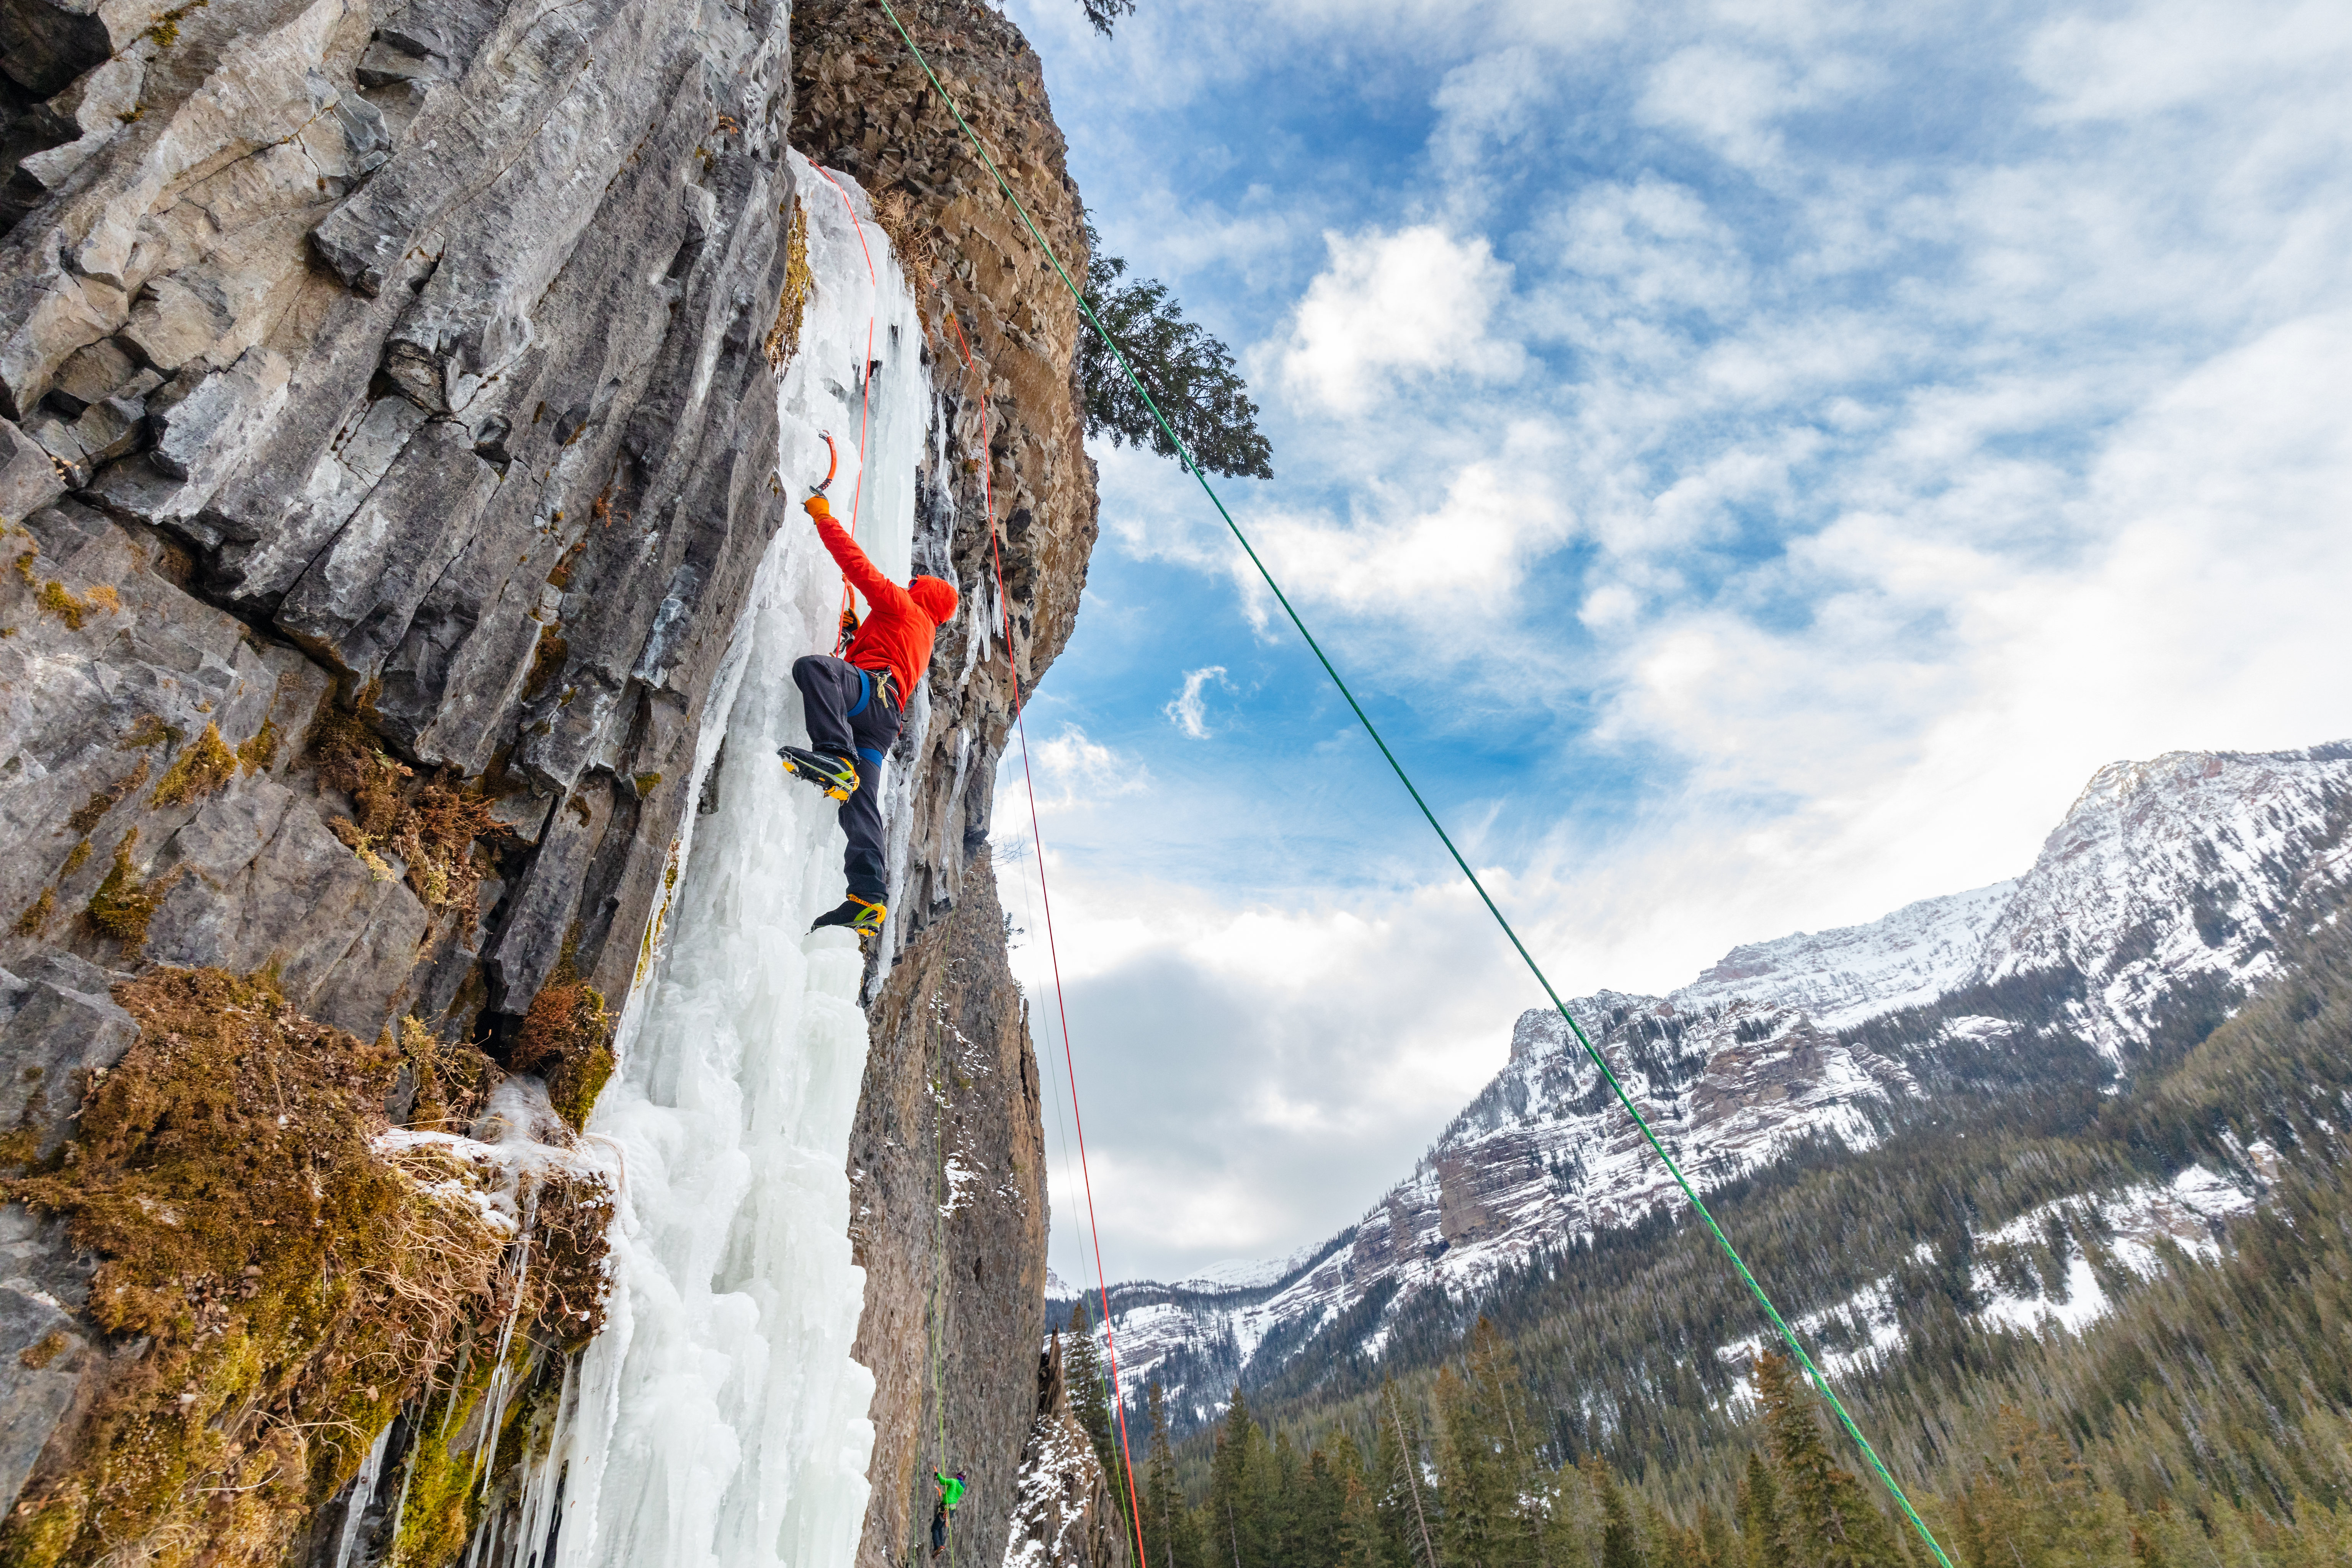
899, 622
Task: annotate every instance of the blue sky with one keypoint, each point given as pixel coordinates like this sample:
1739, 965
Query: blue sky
1755, 460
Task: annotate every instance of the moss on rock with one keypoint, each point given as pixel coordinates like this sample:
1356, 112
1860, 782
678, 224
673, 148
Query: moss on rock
298, 1278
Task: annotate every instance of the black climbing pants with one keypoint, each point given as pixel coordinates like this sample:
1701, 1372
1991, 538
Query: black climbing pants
850, 717
938, 1529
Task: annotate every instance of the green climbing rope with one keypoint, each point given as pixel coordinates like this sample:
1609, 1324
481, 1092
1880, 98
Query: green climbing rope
1698, 1205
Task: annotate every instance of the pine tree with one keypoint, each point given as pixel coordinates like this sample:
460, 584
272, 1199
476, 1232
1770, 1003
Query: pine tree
1090, 1401
1826, 1520
1621, 1542
1400, 1501
1760, 1533
1481, 1478
1170, 1537
1237, 1525
1190, 374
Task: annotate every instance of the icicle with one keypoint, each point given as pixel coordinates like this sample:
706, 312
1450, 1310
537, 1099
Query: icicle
363, 1493
494, 1398
544, 1483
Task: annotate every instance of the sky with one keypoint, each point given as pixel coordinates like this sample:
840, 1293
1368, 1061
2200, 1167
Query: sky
1753, 460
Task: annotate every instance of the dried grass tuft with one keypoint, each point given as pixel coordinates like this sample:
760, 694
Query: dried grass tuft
430, 825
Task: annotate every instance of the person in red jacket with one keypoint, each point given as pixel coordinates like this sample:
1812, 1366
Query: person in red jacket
853, 705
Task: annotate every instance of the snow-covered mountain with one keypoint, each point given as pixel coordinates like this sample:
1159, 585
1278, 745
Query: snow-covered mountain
2165, 880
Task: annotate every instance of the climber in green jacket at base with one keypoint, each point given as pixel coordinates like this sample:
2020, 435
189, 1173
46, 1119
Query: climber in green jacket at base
951, 1491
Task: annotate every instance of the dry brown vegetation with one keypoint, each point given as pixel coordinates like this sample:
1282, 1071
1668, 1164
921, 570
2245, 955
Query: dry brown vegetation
567, 1038
124, 902
297, 1284
200, 769
783, 339
430, 824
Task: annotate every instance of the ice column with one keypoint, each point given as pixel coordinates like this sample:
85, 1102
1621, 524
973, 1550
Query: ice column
720, 1418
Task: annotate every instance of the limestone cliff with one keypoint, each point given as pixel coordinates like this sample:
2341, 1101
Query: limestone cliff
387, 441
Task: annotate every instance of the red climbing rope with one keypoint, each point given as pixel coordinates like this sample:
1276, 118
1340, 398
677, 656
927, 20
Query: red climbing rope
1028, 779
865, 383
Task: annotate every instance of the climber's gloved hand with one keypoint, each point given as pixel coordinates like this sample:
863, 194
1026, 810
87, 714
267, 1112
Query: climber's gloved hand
848, 625
815, 507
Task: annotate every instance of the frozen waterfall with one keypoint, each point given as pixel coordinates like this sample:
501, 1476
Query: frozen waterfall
719, 1419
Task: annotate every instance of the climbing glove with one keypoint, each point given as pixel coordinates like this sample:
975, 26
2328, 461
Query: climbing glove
815, 507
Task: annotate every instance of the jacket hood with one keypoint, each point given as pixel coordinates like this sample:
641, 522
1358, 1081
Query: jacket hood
935, 598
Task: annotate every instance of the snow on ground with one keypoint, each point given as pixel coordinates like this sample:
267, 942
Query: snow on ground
1841, 977
2137, 1225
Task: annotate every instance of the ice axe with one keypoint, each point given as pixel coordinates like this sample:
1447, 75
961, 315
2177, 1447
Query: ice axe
831, 461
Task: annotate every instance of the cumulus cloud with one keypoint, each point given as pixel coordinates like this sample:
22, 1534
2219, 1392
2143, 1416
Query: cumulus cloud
1188, 711
1819, 440
1412, 302
1073, 772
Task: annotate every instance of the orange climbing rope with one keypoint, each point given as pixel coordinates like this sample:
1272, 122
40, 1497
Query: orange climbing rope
1028, 779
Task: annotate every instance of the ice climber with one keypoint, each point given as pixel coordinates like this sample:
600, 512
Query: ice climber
951, 1491
853, 705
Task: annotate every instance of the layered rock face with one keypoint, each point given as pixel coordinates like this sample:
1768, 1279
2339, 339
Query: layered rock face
387, 448
387, 438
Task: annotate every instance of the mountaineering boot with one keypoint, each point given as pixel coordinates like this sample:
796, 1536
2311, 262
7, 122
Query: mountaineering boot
855, 914
837, 777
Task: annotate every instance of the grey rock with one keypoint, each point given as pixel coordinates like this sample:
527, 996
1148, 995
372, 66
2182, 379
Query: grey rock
539, 921
59, 439
42, 1358
205, 432
89, 373
112, 428
177, 318
29, 480
385, 66
58, 1024
263, 881
84, 117
355, 601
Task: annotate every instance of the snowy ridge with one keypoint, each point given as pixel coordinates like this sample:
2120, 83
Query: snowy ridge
1841, 977
2164, 875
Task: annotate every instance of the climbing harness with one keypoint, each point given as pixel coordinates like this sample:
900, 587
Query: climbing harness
1029, 781
1674, 1168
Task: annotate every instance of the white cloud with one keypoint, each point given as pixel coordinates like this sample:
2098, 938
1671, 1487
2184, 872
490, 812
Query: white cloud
1875, 452
1188, 711
1073, 772
1416, 300
2169, 55
1420, 556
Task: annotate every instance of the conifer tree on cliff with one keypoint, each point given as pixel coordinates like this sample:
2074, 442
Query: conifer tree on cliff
1826, 1518
1188, 373
1620, 1541
1090, 1397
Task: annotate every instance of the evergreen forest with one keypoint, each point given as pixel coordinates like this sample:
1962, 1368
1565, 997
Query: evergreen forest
1614, 1406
